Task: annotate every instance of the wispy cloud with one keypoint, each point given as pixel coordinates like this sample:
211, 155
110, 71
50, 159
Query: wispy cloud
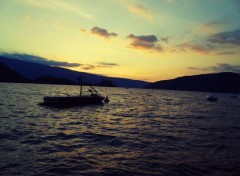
45, 61
107, 64
213, 27
135, 8
196, 48
220, 67
57, 5
142, 11
170, 1
38, 59
145, 42
232, 37
226, 53
88, 67
102, 32
165, 39
99, 65
221, 43
223, 67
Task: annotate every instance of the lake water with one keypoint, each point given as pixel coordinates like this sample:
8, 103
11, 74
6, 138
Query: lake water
140, 132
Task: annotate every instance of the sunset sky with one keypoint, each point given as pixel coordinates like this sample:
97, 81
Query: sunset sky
147, 40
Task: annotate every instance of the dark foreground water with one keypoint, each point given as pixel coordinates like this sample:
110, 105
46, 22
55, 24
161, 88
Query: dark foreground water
140, 132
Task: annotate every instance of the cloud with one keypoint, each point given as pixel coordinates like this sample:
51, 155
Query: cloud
106, 64
196, 48
232, 37
222, 43
165, 39
44, 61
192, 68
88, 67
102, 32
223, 67
145, 42
98, 65
213, 27
56, 5
38, 59
137, 9
226, 53
170, 1
220, 67
142, 11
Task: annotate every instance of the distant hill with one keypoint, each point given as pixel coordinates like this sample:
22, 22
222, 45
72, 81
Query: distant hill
219, 82
53, 80
8, 75
33, 71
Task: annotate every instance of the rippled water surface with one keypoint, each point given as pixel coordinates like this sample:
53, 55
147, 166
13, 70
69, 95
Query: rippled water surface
140, 132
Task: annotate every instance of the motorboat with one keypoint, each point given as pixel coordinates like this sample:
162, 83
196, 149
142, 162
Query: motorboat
212, 97
73, 100
68, 100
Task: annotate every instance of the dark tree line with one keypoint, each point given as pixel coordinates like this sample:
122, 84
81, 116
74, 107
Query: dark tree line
106, 83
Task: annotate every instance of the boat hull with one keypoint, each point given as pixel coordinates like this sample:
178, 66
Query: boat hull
72, 100
212, 98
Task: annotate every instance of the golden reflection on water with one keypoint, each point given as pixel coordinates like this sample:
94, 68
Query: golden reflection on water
140, 131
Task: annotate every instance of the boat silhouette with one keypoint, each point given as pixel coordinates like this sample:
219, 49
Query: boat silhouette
79, 100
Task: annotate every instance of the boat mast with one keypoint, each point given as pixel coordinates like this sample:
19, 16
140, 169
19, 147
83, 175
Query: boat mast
80, 79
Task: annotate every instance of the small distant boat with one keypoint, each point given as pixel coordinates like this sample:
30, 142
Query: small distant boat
211, 97
79, 100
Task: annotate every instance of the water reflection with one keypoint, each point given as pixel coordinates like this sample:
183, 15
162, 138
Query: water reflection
140, 132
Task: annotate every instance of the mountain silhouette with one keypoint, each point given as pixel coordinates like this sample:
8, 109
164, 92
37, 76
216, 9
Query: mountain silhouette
8, 75
33, 71
53, 80
218, 82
